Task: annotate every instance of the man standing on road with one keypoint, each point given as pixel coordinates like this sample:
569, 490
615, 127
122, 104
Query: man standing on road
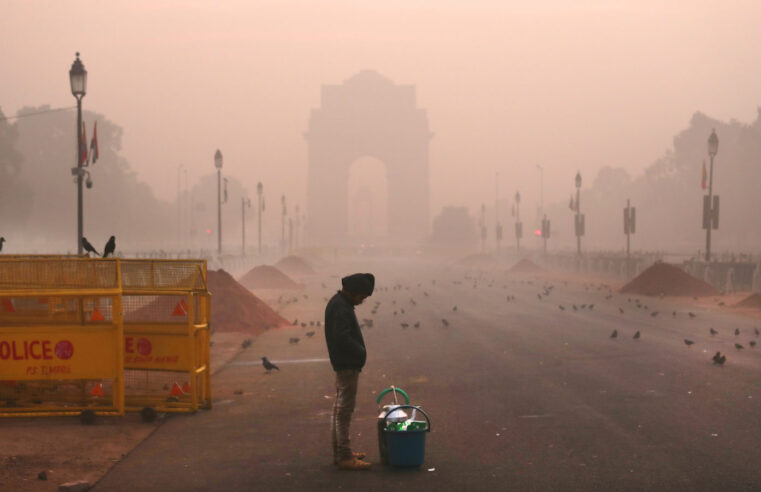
347, 356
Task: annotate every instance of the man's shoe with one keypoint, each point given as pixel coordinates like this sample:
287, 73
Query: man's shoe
353, 464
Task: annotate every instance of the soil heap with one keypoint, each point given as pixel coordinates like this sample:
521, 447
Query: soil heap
295, 265
752, 301
669, 280
525, 266
235, 308
267, 277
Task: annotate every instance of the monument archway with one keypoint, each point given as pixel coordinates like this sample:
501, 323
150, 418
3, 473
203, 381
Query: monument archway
367, 115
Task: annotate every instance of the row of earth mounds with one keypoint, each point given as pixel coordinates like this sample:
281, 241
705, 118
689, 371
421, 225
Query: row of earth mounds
295, 266
668, 280
235, 308
267, 277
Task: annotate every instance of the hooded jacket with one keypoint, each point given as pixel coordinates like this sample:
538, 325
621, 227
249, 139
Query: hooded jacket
346, 346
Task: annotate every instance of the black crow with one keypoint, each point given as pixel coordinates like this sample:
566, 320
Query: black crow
688, 342
713, 332
110, 247
445, 322
2, 240
614, 334
269, 366
636, 335
88, 247
738, 346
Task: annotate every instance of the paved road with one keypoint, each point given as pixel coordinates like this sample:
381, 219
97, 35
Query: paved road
522, 395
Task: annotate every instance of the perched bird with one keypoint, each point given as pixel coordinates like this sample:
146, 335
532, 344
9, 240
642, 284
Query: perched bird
756, 330
88, 247
454, 308
303, 325
295, 322
2, 240
309, 333
269, 366
752, 343
417, 324
614, 334
691, 314
636, 335
719, 359
688, 342
713, 332
404, 325
583, 306
737, 331
673, 313
110, 247
621, 310
575, 308
654, 314
738, 346
445, 322
561, 308
591, 306
293, 340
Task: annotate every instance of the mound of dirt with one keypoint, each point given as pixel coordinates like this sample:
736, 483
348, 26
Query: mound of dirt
267, 277
752, 301
295, 265
235, 308
669, 280
525, 266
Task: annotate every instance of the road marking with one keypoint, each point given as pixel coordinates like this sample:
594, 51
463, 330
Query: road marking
291, 361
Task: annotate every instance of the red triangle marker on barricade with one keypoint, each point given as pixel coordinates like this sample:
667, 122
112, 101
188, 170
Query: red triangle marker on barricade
179, 310
97, 390
186, 387
8, 306
176, 390
96, 316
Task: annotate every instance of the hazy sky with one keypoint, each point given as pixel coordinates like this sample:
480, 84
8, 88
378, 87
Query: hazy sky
507, 85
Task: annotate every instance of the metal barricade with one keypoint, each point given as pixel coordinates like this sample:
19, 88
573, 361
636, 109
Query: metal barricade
61, 337
167, 309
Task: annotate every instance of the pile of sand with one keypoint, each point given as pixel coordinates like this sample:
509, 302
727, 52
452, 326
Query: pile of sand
669, 280
753, 301
295, 265
235, 308
525, 266
267, 277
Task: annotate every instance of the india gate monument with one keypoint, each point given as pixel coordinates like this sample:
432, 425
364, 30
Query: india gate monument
367, 116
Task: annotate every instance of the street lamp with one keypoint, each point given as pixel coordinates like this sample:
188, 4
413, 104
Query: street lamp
244, 204
711, 209
260, 208
78, 81
218, 165
518, 224
579, 219
282, 239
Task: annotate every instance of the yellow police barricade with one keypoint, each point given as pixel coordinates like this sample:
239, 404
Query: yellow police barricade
61, 337
167, 336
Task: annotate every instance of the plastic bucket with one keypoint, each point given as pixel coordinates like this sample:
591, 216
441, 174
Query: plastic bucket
407, 447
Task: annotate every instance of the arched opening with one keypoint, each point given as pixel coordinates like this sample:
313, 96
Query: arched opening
367, 200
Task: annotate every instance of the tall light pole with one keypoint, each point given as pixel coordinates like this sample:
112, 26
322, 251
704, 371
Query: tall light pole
498, 226
282, 238
244, 204
541, 189
579, 219
630, 227
260, 208
78, 81
710, 209
518, 224
218, 165
483, 228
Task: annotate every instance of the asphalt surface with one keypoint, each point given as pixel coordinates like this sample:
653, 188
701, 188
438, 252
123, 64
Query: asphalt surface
522, 395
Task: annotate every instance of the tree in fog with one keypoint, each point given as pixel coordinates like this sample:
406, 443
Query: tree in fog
15, 196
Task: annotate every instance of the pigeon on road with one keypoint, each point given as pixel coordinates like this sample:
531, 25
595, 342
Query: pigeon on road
614, 334
719, 359
636, 335
713, 332
738, 346
269, 366
688, 342
737, 331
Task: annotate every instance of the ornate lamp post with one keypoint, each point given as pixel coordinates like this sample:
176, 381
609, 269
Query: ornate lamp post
78, 81
710, 209
260, 208
218, 165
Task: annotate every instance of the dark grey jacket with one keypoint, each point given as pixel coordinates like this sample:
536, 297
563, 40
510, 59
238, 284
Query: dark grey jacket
343, 336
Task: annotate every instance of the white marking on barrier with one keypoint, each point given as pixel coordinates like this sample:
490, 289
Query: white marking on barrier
291, 361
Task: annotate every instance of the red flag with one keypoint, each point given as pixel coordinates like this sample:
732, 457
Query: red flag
94, 143
83, 144
704, 182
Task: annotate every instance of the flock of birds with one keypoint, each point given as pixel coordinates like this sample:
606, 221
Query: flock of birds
547, 289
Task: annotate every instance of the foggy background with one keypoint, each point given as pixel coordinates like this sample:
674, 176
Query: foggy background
624, 92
